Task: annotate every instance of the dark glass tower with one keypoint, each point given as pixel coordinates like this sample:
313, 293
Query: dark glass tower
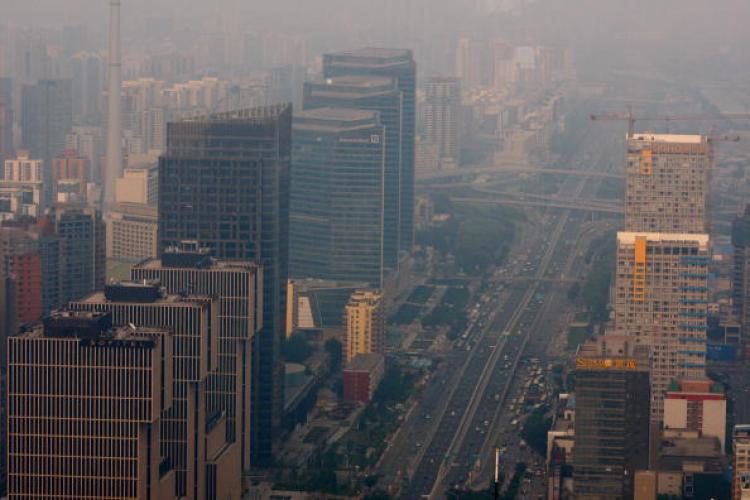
397, 64
224, 182
336, 221
378, 94
612, 417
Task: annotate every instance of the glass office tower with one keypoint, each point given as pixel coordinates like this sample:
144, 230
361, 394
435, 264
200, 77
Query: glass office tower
336, 222
398, 64
224, 182
382, 95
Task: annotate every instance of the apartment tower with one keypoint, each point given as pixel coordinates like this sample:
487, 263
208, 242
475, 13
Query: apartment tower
667, 183
661, 288
364, 318
661, 299
441, 116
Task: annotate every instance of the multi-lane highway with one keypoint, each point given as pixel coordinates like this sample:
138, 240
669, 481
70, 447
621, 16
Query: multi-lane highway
483, 432
448, 437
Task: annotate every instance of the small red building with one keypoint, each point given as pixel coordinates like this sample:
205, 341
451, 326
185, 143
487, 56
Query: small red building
362, 376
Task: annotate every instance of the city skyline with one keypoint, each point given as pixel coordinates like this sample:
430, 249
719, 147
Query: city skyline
378, 250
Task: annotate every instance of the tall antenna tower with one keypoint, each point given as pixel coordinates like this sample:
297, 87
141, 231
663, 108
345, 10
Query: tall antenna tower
113, 168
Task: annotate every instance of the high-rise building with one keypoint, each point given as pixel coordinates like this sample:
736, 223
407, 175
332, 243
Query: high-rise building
364, 318
138, 185
336, 203
87, 142
469, 62
379, 94
6, 128
132, 223
22, 187
611, 417
145, 110
79, 235
285, 84
441, 116
667, 183
70, 241
741, 271
400, 65
20, 303
224, 182
70, 177
237, 285
87, 72
661, 297
741, 463
21, 263
27, 236
194, 436
47, 117
132, 232
61, 444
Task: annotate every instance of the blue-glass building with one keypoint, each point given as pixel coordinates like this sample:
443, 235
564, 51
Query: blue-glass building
382, 95
397, 64
336, 220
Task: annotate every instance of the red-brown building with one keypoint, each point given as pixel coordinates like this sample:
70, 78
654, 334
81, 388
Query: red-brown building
21, 265
28, 277
362, 376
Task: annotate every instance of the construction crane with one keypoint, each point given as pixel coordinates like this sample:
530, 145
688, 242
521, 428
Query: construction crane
631, 119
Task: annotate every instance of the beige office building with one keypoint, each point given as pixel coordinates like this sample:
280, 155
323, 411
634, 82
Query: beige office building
85, 408
194, 437
132, 232
661, 297
238, 287
138, 185
667, 183
364, 319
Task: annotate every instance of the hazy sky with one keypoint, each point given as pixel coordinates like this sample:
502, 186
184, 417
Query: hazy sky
599, 30
695, 19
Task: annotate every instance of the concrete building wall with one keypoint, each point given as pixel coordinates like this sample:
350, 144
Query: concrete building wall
715, 419
675, 413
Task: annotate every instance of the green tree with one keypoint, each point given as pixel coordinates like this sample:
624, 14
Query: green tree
296, 349
535, 430
333, 348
